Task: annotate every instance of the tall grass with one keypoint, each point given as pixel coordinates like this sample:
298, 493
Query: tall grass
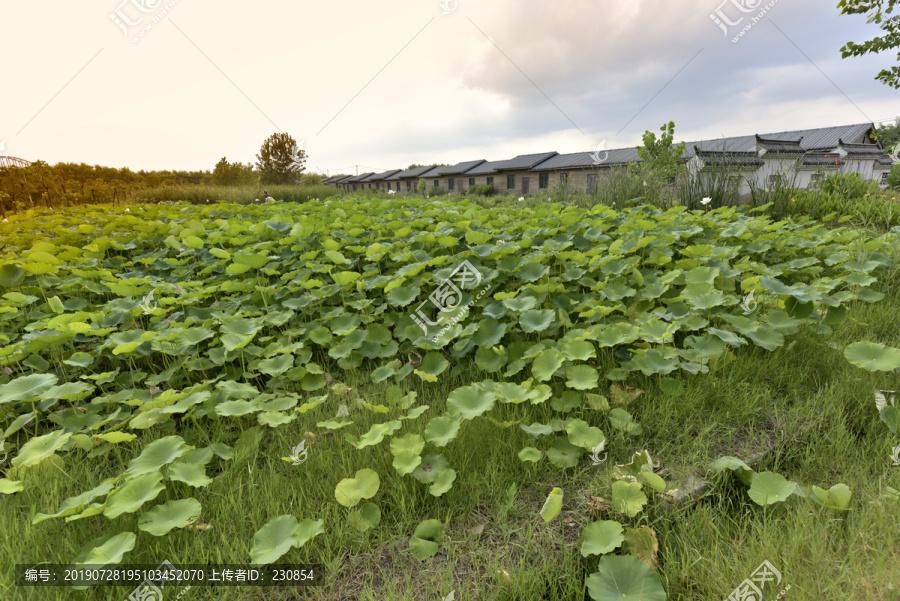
234, 194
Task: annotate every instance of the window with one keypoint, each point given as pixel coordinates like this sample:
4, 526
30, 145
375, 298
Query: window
564, 179
815, 180
490, 181
408, 186
592, 183
882, 181
437, 183
510, 182
775, 181
471, 181
450, 183
544, 181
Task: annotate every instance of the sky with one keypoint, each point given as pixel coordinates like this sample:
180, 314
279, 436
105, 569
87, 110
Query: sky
372, 86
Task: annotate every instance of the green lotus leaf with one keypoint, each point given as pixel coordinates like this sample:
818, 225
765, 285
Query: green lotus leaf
76, 504
155, 455
406, 461
536, 321
192, 474
602, 537
132, 495
441, 430
836, 498
583, 435
365, 518
432, 464
530, 454
106, 550
552, 505
251, 260
26, 387
743, 471
537, 429
364, 485
40, 448
628, 498
402, 296
582, 377
11, 276
470, 402
276, 365
160, 520
769, 488
564, 454
624, 578
870, 356
443, 481
520, 304
546, 364
280, 535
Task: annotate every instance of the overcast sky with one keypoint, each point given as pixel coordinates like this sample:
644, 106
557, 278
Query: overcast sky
385, 84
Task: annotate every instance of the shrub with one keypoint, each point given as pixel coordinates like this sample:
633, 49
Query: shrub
850, 185
482, 190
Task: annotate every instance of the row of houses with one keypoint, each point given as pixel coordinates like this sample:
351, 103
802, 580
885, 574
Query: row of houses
801, 158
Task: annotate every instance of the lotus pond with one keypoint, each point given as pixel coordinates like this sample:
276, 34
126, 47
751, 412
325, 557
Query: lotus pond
282, 384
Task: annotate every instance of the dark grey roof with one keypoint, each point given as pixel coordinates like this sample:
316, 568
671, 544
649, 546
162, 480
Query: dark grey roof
379, 177
821, 159
712, 158
524, 161
358, 178
488, 168
459, 168
327, 180
823, 138
583, 160
342, 179
414, 172
885, 159
780, 146
866, 149
433, 172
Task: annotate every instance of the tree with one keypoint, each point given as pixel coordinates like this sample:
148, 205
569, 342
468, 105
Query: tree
888, 135
661, 157
280, 159
231, 174
422, 187
878, 13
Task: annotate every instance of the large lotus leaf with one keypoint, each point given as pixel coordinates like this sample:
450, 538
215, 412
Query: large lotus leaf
76, 504
174, 514
132, 495
365, 518
624, 578
39, 448
441, 430
157, 454
351, 491
520, 304
280, 535
641, 542
578, 350
582, 377
743, 471
564, 454
546, 364
406, 461
489, 333
530, 454
276, 365
768, 488
537, 429
434, 364
619, 333
583, 435
470, 401
491, 359
8, 487
105, 550
408, 442
192, 474
402, 296
836, 498
26, 387
443, 481
11, 275
871, 356
628, 498
376, 434
432, 464
251, 260
601, 538
536, 321
552, 505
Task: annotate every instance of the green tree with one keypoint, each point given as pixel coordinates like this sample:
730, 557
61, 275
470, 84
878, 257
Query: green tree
231, 174
888, 135
280, 159
878, 11
422, 187
660, 156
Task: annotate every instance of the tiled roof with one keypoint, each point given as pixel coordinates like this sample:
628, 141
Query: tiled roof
459, 168
358, 178
414, 172
780, 146
487, 168
885, 159
712, 158
342, 179
821, 159
583, 160
524, 161
378, 177
865, 149
433, 172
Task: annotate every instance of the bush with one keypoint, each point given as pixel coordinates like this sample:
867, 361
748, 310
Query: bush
482, 190
893, 178
850, 185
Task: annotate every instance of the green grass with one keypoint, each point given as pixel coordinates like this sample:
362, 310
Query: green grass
804, 400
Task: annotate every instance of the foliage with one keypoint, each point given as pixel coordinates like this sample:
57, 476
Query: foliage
850, 186
888, 135
280, 159
879, 12
661, 156
232, 174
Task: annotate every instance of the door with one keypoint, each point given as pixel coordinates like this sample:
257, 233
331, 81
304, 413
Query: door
524, 185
